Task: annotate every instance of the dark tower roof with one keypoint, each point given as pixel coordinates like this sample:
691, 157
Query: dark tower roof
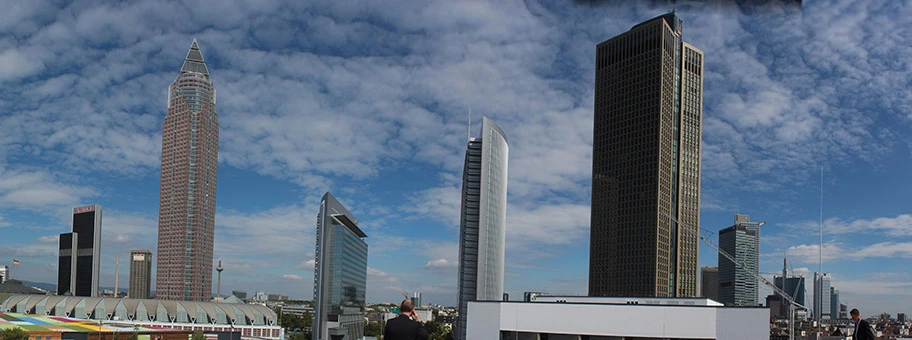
670, 18
194, 61
17, 287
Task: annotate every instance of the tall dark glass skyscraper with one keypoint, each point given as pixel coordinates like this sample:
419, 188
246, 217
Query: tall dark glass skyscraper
79, 254
482, 230
646, 163
340, 273
189, 169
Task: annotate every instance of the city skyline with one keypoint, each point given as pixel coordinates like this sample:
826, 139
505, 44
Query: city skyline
786, 92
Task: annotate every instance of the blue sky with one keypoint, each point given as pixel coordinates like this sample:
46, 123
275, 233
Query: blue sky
369, 100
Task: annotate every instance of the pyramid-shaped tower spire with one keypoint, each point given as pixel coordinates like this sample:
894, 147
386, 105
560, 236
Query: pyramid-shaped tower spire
194, 61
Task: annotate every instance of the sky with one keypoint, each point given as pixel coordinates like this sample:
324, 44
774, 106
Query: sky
370, 101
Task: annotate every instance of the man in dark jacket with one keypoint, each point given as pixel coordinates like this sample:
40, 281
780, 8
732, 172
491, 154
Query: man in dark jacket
406, 326
863, 329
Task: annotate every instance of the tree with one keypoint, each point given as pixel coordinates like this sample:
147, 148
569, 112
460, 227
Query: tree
198, 335
14, 334
373, 329
134, 336
437, 331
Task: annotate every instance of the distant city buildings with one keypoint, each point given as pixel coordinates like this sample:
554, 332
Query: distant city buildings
340, 273
79, 254
794, 287
738, 282
189, 169
901, 317
646, 163
260, 296
822, 296
834, 302
4, 273
140, 274
482, 228
416, 299
709, 283
276, 297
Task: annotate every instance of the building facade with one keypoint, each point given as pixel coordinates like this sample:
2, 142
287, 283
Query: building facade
822, 296
140, 274
646, 163
340, 273
794, 287
416, 299
834, 303
248, 321
709, 283
650, 318
79, 254
738, 285
482, 229
186, 219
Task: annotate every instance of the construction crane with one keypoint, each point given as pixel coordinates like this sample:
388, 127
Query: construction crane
783, 294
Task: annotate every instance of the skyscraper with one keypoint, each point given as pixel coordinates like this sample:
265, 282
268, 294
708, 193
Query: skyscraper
186, 218
4, 273
140, 274
646, 163
340, 273
834, 303
794, 287
482, 228
79, 254
738, 285
822, 296
709, 283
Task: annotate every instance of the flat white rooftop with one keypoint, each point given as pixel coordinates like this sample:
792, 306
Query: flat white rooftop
608, 318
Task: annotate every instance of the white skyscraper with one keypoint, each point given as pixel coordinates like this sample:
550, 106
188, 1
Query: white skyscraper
822, 296
482, 229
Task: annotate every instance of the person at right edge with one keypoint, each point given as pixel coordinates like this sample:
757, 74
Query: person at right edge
406, 326
863, 329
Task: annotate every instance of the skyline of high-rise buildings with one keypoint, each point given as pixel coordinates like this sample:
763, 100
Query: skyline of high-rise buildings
482, 226
646, 163
738, 283
189, 169
340, 273
79, 254
140, 274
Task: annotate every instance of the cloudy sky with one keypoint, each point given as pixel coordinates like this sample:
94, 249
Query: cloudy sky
369, 100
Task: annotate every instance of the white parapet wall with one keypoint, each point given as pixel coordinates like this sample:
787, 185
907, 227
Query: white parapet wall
486, 320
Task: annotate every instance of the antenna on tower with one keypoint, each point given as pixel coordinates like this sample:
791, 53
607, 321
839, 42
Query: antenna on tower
469, 132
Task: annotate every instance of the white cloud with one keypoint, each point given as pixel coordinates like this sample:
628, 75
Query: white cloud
440, 263
292, 277
15, 64
899, 226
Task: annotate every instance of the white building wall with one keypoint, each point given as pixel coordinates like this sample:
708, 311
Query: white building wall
487, 319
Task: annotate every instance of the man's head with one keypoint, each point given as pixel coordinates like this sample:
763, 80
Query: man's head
855, 315
406, 306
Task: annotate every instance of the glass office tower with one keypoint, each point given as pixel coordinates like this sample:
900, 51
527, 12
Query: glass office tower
340, 273
738, 286
646, 163
482, 229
